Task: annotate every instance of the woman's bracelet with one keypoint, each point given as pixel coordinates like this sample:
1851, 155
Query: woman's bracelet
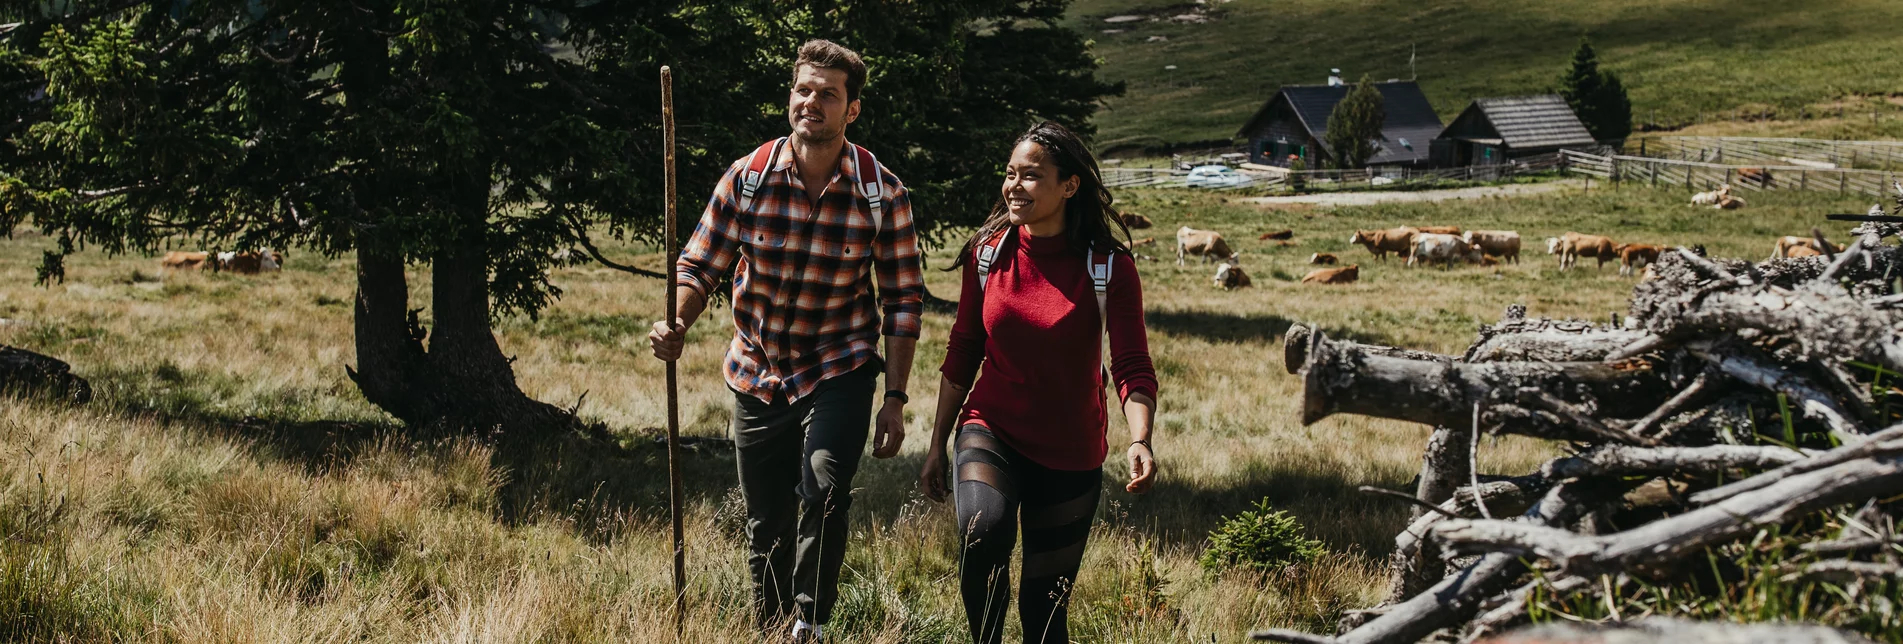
1145, 443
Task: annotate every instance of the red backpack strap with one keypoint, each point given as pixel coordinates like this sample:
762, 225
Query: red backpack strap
762, 158
871, 185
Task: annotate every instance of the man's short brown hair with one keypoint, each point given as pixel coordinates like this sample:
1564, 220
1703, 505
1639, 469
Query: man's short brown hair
826, 54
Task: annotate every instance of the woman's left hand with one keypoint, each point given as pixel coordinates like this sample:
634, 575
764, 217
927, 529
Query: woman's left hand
1142, 468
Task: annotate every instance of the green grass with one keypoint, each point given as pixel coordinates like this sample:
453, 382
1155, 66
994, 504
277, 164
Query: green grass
1681, 60
230, 484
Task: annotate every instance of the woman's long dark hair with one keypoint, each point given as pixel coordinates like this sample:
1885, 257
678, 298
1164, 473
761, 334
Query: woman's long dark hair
1089, 220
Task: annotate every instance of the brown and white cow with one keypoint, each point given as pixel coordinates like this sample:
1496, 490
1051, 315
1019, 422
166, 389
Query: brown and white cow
251, 262
1343, 275
1230, 277
1326, 259
1804, 251
1633, 257
1572, 246
1504, 244
1440, 230
1143, 242
1277, 234
1205, 243
1135, 221
1381, 242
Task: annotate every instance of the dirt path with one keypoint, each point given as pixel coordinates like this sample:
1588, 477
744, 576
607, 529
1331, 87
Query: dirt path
1370, 198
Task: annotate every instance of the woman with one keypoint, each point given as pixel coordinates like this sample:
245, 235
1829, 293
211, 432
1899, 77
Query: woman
1044, 280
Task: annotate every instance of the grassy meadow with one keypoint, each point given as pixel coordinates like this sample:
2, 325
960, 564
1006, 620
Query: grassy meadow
230, 484
1727, 63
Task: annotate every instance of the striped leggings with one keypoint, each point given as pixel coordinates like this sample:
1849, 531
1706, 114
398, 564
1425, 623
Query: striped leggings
995, 487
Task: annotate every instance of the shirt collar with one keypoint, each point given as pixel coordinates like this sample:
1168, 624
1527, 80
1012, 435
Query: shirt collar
848, 163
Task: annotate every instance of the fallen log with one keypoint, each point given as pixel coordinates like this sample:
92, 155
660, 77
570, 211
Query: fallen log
1625, 460
36, 374
1341, 378
1667, 540
1296, 340
1749, 366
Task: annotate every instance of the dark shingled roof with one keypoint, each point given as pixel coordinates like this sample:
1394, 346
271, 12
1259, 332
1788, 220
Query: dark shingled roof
1529, 122
1409, 117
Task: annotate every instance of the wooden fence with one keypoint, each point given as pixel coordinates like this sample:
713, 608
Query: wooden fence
1701, 176
1746, 151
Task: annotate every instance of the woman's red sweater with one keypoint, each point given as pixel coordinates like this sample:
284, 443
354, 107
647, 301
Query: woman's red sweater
1035, 330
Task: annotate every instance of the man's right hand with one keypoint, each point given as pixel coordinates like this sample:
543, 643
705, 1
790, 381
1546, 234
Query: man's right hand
667, 341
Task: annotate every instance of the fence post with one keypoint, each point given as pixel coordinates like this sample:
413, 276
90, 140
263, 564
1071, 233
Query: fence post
1843, 182
1803, 180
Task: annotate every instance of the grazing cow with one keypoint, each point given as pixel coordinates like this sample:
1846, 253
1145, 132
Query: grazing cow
1711, 198
1343, 275
1327, 259
1633, 257
183, 261
1280, 234
1442, 248
1804, 251
1728, 202
1789, 243
1504, 244
1143, 242
251, 262
1230, 277
1759, 176
1381, 242
1206, 243
1135, 221
1440, 230
1572, 246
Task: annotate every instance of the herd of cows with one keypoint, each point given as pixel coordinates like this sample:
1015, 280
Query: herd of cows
1447, 246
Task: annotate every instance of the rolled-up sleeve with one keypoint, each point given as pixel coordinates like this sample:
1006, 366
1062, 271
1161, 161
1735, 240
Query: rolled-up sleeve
711, 252
901, 282
965, 349
1130, 365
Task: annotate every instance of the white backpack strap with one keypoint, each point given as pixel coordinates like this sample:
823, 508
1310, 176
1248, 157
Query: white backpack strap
871, 187
758, 165
1100, 280
988, 255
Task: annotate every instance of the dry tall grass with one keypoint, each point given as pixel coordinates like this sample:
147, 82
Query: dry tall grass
230, 484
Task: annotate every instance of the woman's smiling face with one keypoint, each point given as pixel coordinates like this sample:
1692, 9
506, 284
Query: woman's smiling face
1033, 192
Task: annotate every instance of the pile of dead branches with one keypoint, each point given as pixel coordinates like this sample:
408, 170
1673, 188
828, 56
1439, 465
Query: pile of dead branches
1737, 398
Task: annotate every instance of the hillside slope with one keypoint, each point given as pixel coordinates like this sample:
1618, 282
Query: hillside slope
1683, 60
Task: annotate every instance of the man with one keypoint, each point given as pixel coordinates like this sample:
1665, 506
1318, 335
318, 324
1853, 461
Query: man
807, 238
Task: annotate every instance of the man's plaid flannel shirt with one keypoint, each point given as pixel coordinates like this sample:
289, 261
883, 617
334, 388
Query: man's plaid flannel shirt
803, 303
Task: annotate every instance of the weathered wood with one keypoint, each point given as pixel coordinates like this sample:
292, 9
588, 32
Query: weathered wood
1824, 321
1842, 571
1678, 402
1649, 546
33, 373
1751, 367
1883, 443
1340, 378
1416, 562
1664, 630
1625, 460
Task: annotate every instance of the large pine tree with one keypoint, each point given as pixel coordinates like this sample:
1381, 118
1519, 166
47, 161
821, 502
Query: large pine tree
1354, 127
474, 138
1597, 96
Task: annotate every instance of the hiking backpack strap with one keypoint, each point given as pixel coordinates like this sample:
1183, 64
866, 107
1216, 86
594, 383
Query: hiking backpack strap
763, 158
1100, 280
988, 254
871, 186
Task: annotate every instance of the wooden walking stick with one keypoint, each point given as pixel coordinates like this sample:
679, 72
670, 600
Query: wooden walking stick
672, 243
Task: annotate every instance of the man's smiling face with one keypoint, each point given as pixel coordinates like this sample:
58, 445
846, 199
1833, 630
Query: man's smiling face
817, 107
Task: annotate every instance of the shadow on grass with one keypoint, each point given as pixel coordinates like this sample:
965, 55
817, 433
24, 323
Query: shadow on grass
1217, 326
